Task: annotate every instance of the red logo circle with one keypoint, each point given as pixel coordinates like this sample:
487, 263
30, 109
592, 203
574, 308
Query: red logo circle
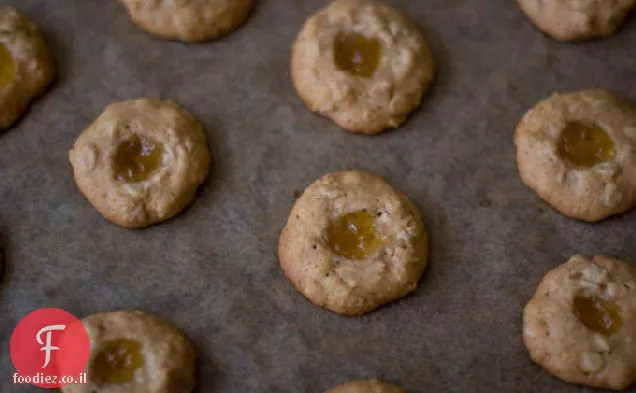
49, 348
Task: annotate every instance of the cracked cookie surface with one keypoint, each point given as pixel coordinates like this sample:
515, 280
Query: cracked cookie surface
581, 323
26, 65
135, 352
574, 20
189, 20
577, 151
141, 161
362, 64
353, 243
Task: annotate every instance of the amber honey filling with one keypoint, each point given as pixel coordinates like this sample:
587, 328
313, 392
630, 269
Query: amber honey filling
585, 145
357, 54
137, 158
353, 235
118, 361
7, 67
597, 314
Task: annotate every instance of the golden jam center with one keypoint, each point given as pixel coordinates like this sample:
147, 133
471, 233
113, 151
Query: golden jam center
137, 158
353, 236
597, 314
356, 54
118, 360
585, 146
7, 66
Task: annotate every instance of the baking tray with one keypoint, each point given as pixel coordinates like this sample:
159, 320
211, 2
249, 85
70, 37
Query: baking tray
213, 270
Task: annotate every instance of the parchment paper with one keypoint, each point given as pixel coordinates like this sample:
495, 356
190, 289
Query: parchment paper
213, 271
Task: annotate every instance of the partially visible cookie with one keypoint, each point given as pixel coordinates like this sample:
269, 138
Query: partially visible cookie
26, 65
581, 324
577, 151
573, 20
189, 20
366, 386
362, 64
141, 161
136, 352
353, 243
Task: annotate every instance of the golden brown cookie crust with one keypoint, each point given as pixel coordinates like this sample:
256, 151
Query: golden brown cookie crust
169, 358
339, 284
366, 386
589, 194
575, 20
168, 190
362, 104
561, 344
189, 20
34, 65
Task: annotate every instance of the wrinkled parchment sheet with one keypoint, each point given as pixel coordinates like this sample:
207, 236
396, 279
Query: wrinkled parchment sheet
213, 270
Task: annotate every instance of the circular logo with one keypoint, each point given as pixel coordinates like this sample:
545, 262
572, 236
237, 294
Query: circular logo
50, 348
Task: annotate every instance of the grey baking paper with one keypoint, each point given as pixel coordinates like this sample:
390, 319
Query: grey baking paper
213, 270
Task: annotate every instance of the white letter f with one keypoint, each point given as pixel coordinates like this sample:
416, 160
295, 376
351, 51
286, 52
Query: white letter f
48, 347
